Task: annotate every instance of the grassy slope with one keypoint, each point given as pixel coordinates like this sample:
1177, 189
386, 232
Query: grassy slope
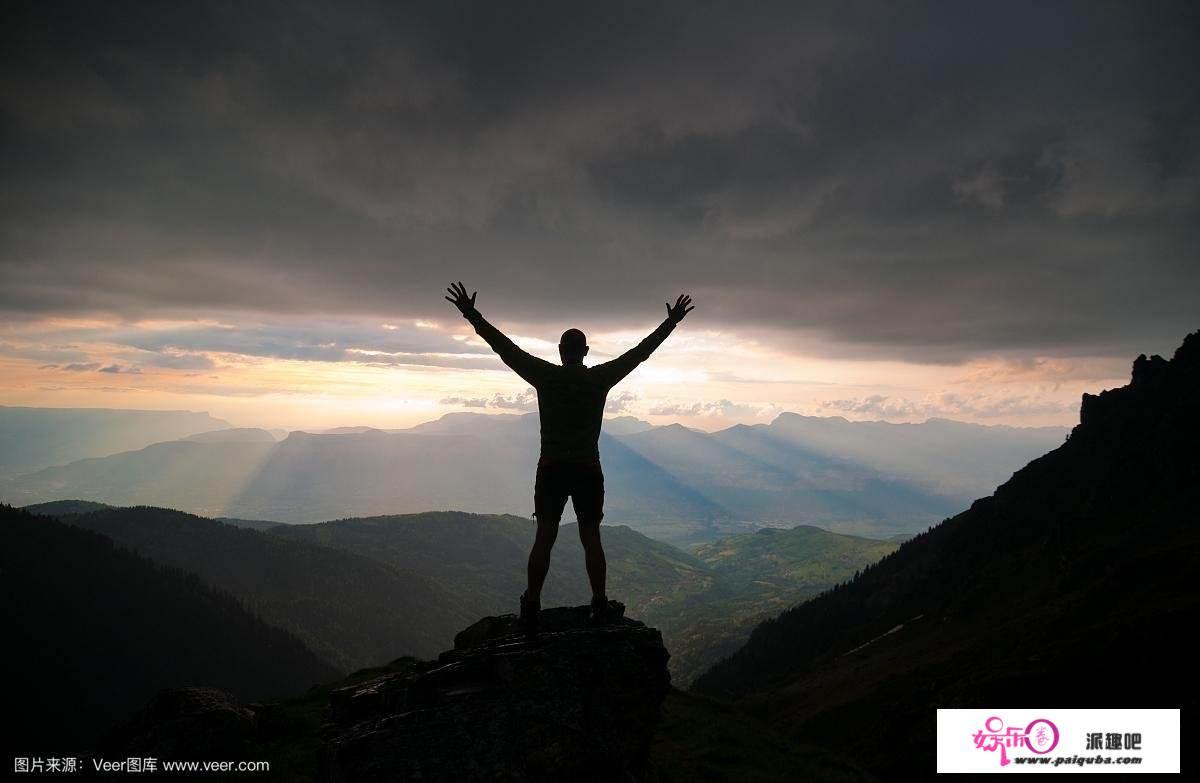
363, 590
755, 576
705, 604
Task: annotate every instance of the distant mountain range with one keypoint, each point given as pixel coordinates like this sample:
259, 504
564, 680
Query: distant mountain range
1072, 586
672, 482
36, 438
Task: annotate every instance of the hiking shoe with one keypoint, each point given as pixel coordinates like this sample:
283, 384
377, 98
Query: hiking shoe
601, 611
528, 621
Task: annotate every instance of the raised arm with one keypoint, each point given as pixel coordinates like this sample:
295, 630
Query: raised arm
528, 366
614, 372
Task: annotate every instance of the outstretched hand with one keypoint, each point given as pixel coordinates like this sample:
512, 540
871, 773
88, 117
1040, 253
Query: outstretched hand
683, 306
458, 297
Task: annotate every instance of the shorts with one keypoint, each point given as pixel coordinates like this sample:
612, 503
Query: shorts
582, 481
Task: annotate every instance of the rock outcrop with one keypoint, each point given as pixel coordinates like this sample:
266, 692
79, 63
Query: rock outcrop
574, 702
190, 723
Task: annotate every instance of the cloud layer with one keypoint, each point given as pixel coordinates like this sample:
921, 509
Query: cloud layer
923, 182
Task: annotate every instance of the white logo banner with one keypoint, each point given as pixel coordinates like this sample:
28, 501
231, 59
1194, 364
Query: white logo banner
1050, 740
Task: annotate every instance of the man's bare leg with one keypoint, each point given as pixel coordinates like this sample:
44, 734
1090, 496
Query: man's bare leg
539, 557
593, 557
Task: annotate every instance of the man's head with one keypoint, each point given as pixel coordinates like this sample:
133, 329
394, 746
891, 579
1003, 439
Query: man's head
572, 346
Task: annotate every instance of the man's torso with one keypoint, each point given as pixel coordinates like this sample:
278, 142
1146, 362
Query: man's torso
571, 411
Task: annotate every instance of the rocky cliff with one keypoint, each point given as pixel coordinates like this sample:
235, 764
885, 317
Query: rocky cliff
1069, 587
575, 702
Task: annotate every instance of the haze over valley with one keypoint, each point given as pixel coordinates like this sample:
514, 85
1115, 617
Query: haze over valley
674, 483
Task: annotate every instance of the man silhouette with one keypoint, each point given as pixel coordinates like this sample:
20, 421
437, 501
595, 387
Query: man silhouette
571, 408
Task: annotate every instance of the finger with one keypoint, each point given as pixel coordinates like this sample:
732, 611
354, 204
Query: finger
473, 297
685, 312
448, 299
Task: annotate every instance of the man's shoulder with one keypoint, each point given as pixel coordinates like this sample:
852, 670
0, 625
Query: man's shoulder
572, 370
571, 379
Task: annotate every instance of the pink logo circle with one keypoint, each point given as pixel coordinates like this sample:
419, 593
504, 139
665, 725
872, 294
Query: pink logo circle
1041, 736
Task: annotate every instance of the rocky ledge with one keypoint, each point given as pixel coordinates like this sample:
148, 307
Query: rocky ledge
575, 702
187, 723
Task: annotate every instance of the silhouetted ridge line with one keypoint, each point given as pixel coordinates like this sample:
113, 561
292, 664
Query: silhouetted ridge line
1077, 569
94, 630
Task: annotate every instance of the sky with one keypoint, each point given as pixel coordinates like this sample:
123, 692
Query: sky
975, 211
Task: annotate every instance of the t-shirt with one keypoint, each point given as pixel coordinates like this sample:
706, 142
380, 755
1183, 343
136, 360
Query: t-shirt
570, 397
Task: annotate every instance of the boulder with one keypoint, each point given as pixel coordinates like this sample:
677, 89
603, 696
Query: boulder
188, 723
574, 702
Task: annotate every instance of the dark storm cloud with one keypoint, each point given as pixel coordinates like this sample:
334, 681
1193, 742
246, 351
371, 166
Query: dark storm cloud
923, 182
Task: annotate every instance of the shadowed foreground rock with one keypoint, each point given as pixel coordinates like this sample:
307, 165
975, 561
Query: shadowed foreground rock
187, 723
576, 702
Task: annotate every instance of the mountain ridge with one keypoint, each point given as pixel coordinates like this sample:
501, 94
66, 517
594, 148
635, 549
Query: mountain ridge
1077, 567
35, 438
359, 591
676, 483
88, 622
350, 610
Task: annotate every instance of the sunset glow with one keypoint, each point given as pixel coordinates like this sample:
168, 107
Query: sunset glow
705, 379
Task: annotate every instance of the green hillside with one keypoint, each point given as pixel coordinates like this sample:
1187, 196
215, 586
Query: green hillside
352, 611
754, 577
93, 631
58, 508
360, 591
705, 604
